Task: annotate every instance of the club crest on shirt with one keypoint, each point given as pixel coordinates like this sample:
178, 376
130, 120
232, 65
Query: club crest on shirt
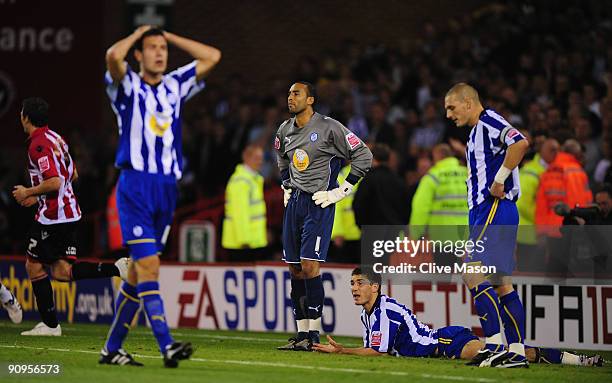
172, 99
300, 160
159, 123
376, 338
277, 143
314, 136
137, 231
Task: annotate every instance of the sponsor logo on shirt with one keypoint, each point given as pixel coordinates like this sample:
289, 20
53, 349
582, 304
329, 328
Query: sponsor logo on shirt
300, 160
159, 123
43, 164
352, 140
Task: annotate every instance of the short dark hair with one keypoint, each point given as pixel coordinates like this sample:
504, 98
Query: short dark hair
150, 32
605, 188
36, 110
311, 91
381, 152
370, 274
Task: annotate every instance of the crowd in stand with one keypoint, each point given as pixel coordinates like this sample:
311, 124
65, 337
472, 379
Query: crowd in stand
546, 67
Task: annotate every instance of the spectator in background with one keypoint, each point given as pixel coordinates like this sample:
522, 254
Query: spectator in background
603, 199
244, 226
379, 130
381, 198
603, 166
563, 182
430, 133
438, 206
239, 130
584, 135
413, 176
262, 135
528, 252
346, 236
354, 122
554, 119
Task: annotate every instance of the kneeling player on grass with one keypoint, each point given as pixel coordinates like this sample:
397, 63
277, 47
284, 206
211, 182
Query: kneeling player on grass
391, 328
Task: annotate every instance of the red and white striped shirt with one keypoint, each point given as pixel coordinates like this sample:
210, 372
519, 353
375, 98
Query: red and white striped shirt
49, 157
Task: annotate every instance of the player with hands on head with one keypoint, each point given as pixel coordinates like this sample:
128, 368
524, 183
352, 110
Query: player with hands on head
148, 106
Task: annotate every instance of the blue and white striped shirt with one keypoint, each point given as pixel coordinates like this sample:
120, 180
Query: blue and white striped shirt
392, 328
149, 120
485, 153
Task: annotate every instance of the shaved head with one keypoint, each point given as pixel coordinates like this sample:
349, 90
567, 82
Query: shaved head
463, 92
462, 105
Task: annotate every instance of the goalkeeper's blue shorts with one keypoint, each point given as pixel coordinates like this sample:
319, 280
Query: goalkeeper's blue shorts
307, 228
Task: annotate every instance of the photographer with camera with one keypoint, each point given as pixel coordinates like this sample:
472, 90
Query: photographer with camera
591, 245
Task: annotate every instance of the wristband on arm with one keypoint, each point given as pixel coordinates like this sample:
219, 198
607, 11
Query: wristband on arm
502, 174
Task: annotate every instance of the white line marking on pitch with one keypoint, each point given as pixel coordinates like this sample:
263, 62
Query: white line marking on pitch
227, 337
281, 365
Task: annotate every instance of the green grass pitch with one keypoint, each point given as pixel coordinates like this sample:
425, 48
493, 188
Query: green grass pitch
226, 357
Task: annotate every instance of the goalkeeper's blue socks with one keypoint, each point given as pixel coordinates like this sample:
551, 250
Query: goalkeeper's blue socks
154, 307
315, 295
298, 300
126, 307
486, 303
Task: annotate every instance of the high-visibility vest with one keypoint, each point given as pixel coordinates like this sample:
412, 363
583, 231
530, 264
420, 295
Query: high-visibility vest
564, 181
344, 216
529, 178
441, 200
244, 223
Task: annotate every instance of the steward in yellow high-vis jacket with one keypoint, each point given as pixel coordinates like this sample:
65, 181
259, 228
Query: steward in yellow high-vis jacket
439, 206
244, 225
529, 177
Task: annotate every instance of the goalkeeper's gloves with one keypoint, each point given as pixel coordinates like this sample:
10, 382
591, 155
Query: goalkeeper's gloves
327, 197
286, 194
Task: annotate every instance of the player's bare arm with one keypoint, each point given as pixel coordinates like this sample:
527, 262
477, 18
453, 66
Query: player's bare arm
514, 156
208, 57
334, 347
30, 201
21, 193
115, 55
